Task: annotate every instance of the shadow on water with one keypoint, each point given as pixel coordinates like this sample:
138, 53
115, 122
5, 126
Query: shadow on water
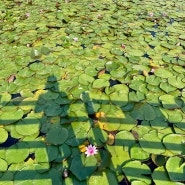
57, 110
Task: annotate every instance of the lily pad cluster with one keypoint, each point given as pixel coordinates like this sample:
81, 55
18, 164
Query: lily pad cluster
78, 73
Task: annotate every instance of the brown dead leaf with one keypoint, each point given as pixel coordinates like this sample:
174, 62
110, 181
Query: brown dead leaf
101, 72
11, 78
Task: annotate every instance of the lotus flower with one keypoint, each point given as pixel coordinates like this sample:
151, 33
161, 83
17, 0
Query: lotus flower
91, 150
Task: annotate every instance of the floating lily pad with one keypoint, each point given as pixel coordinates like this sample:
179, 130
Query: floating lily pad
87, 166
160, 176
163, 73
119, 156
170, 102
151, 143
35, 54
3, 166
11, 117
17, 153
125, 139
106, 177
175, 143
99, 83
175, 168
136, 152
56, 135
134, 170
4, 135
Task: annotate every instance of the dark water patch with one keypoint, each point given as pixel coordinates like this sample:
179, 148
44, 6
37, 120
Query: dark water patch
31, 156
151, 73
151, 164
17, 95
34, 91
41, 134
114, 82
153, 33
146, 55
83, 46
36, 61
9, 142
171, 21
124, 182
58, 45
166, 34
156, 26
139, 122
152, 47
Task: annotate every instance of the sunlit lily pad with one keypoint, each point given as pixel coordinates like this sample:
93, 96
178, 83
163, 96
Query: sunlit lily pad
4, 135
7, 117
175, 143
134, 170
163, 73
175, 168
160, 176
170, 102
87, 166
17, 153
151, 143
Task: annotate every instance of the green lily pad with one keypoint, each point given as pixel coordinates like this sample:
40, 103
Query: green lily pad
28, 126
151, 143
56, 135
175, 168
35, 54
159, 160
3, 166
134, 170
163, 73
136, 152
97, 136
87, 166
119, 156
167, 87
160, 176
4, 135
4, 99
105, 177
41, 155
125, 139
120, 95
100, 83
176, 81
85, 79
117, 51
10, 117
17, 153
175, 143
170, 102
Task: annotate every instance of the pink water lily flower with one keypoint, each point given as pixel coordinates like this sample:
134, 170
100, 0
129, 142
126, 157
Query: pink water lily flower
27, 14
91, 150
75, 39
123, 46
151, 14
